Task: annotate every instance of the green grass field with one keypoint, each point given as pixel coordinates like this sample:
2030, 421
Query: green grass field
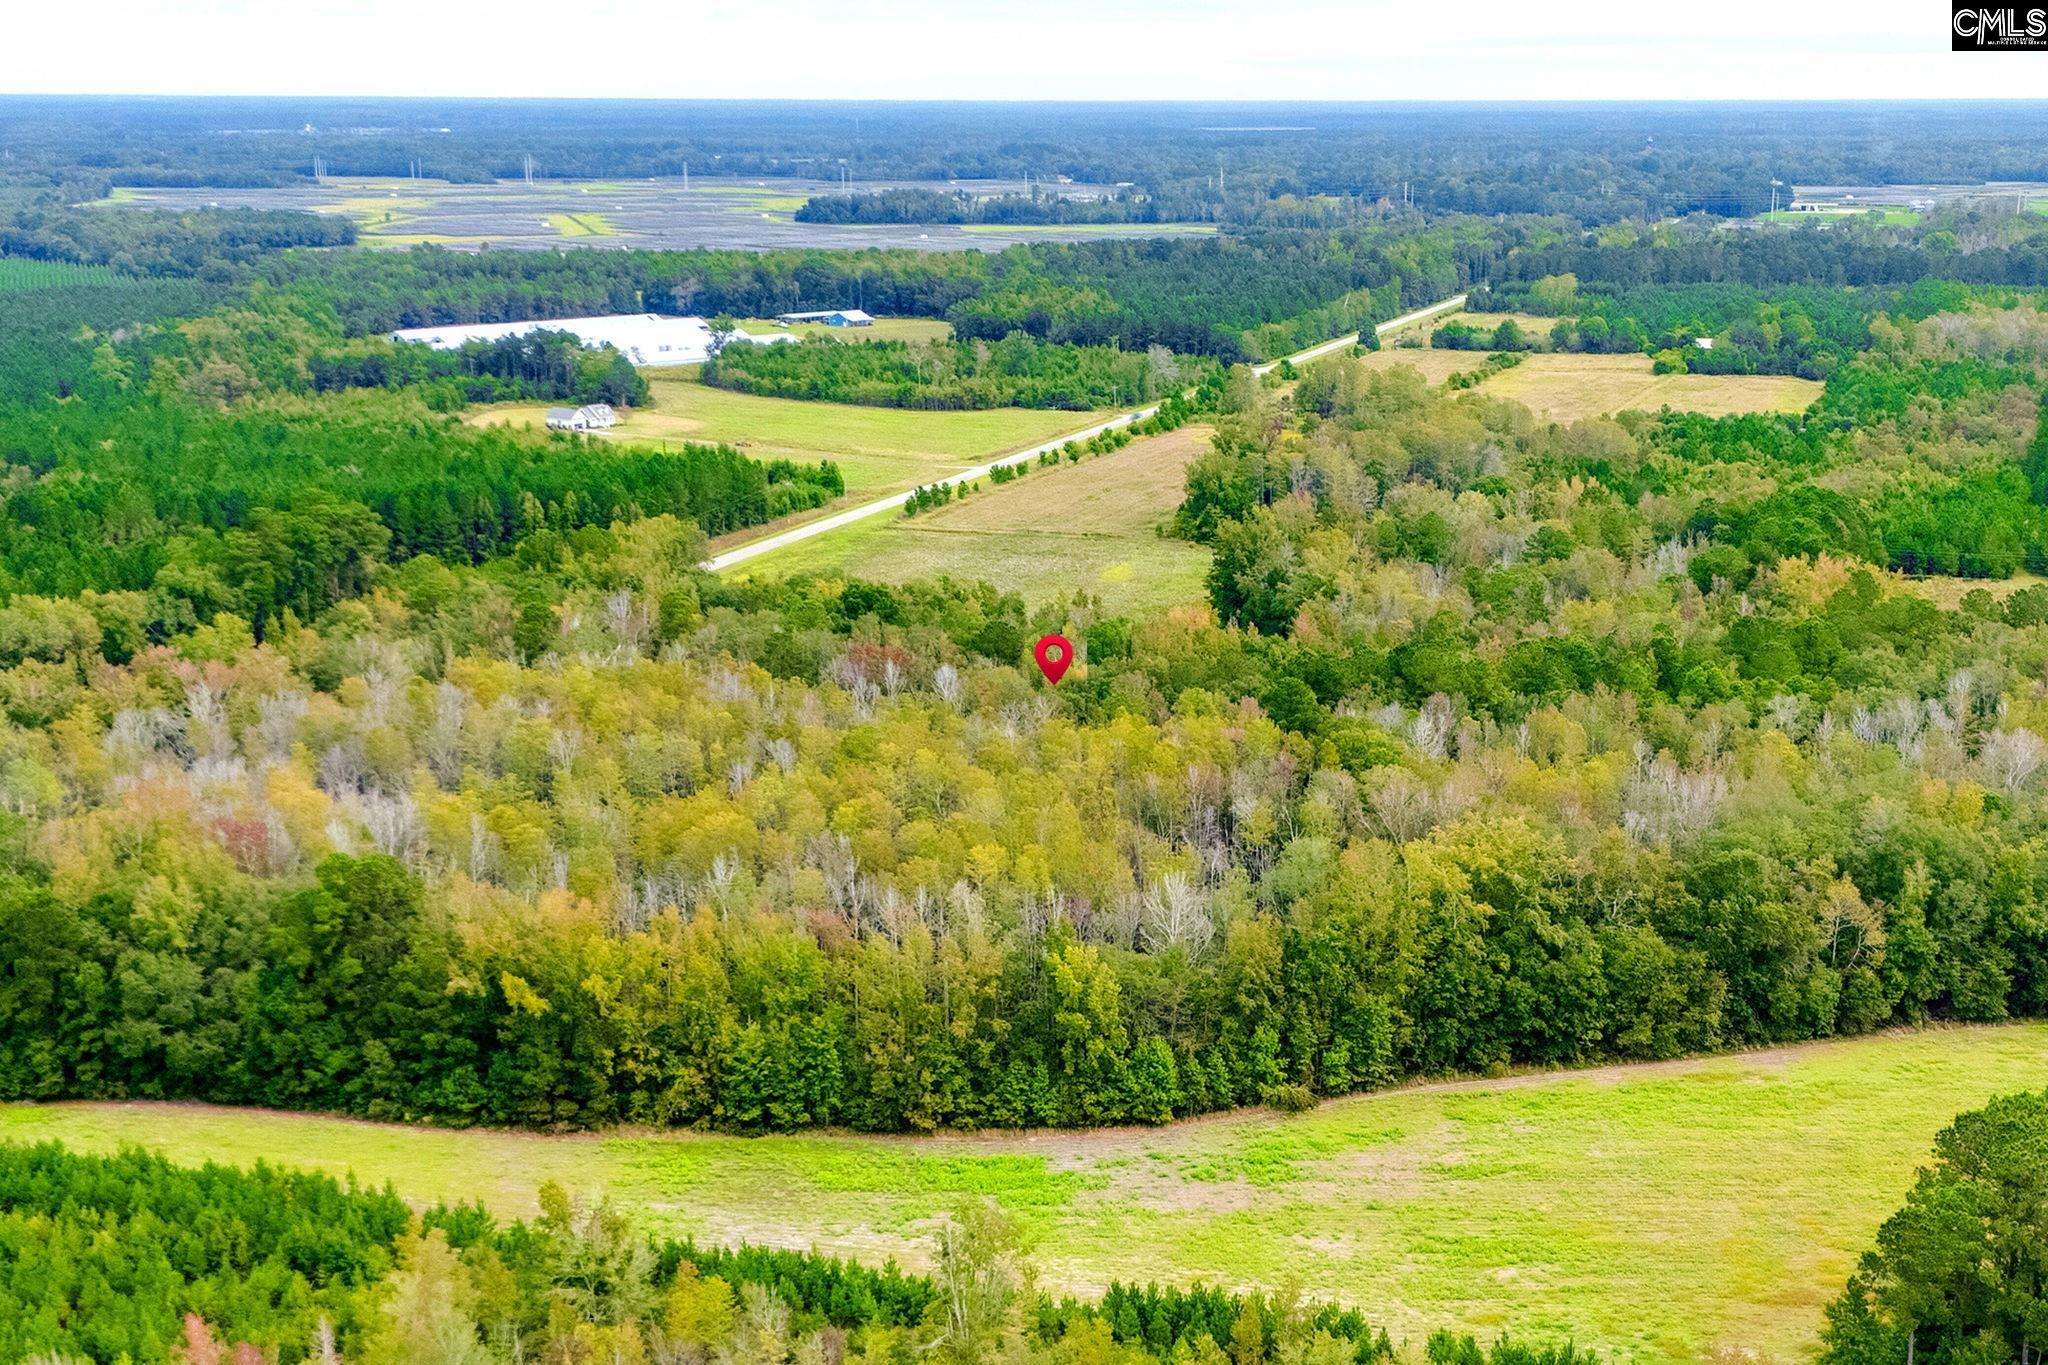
880, 450
1654, 1213
1090, 526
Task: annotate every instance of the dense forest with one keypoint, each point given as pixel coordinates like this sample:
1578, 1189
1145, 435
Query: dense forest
1513, 744
209, 243
189, 467
133, 1258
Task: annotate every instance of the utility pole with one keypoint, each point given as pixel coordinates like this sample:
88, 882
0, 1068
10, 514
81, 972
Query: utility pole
686, 177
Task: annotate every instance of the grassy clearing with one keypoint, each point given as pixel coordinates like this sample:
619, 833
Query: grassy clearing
1949, 593
1566, 388
1653, 1213
582, 225
1531, 324
1569, 387
1433, 365
884, 329
880, 450
1089, 526
1889, 217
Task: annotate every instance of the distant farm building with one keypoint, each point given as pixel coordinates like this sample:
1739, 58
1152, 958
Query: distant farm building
830, 317
646, 339
590, 417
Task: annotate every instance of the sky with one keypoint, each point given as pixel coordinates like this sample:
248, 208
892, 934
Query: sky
1010, 49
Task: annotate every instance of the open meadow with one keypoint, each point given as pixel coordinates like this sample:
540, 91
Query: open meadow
879, 450
1089, 526
1652, 1212
1566, 388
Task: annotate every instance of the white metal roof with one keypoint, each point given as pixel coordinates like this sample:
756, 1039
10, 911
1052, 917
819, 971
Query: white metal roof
643, 338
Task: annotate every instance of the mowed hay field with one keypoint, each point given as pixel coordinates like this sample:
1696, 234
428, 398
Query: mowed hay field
1089, 526
879, 450
1654, 1213
1566, 388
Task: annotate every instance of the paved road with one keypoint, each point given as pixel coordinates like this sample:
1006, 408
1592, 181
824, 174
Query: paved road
768, 544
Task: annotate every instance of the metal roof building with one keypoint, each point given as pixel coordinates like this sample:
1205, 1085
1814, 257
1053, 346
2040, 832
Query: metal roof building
831, 317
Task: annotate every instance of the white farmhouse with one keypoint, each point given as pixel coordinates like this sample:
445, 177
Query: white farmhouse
590, 417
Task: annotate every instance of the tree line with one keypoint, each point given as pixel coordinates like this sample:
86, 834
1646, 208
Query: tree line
914, 205
1014, 371
537, 365
1957, 1273
131, 1258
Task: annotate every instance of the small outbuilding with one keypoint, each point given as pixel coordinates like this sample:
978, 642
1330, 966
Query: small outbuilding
830, 317
589, 417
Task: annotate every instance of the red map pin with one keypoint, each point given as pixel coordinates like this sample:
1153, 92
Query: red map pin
1053, 653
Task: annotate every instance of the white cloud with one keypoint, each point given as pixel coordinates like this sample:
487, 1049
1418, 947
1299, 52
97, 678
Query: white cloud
1006, 49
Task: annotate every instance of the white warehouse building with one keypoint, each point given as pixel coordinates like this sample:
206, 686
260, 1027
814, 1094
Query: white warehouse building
643, 338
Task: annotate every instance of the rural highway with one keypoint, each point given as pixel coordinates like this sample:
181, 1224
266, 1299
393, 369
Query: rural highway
769, 544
